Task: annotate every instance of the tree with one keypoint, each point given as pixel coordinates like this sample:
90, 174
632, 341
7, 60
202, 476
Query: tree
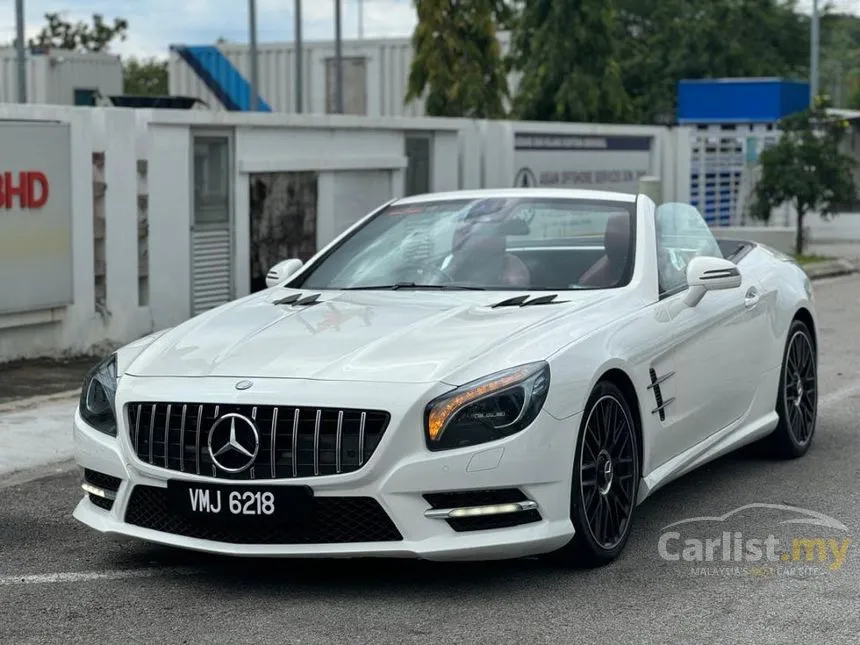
80, 37
146, 77
806, 168
458, 58
664, 41
567, 57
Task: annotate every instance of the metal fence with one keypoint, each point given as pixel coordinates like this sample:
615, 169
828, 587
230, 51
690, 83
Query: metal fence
723, 170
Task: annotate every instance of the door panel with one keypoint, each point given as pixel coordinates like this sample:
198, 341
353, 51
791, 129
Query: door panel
717, 347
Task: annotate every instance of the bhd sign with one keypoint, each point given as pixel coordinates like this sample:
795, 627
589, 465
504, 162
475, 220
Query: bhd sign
35, 216
28, 189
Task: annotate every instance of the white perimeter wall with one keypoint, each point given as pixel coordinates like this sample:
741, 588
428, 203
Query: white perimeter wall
361, 163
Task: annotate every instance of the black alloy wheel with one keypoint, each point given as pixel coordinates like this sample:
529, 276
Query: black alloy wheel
797, 402
605, 479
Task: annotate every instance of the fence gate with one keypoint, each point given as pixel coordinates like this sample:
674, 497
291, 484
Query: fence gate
211, 238
723, 169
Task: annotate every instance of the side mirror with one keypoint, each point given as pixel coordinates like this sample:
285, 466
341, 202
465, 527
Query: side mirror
710, 274
281, 271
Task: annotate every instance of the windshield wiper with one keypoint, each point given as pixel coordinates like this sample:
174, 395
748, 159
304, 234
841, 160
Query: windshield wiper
415, 285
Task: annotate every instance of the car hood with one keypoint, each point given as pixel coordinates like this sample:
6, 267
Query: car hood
393, 336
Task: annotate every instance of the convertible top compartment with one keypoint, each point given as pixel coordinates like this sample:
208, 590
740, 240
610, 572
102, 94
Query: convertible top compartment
735, 250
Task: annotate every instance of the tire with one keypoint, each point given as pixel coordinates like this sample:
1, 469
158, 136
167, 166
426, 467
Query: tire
797, 407
612, 487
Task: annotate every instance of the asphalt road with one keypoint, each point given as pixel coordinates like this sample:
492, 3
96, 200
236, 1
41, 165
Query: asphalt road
60, 583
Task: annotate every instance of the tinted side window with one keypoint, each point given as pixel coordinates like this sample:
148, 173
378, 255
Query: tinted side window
682, 234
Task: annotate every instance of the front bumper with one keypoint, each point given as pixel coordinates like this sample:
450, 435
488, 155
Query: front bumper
537, 461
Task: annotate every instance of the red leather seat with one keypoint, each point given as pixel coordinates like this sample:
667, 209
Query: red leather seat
616, 243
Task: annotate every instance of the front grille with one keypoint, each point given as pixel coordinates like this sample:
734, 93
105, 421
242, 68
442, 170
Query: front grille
293, 442
332, 520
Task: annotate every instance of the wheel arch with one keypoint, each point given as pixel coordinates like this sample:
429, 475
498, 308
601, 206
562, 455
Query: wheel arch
805, 316
623, 382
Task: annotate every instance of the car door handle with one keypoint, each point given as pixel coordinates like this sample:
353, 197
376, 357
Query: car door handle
751, 298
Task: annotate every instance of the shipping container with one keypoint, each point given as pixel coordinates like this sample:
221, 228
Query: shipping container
740, 100
375, 76
58, 77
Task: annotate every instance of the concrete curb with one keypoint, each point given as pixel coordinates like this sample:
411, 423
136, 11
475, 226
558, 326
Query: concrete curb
829, 269
16, 405
27, 475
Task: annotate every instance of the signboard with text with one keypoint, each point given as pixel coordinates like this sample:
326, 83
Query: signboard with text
581, 161
35, 216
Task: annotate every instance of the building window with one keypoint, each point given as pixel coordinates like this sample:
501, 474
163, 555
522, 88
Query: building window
418, 151
85, 97
354, 85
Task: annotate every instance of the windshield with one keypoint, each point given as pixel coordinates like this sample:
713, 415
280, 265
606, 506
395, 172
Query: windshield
490, 243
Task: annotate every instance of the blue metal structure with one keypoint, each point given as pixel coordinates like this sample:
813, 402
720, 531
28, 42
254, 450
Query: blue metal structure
735, 117
220, 76
739, 100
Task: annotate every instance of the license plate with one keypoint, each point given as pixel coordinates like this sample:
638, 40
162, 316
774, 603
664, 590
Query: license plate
240, 503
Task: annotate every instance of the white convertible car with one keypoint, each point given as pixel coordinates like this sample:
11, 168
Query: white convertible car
469, 375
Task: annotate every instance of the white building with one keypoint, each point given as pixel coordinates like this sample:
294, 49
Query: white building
60, 77
375, 76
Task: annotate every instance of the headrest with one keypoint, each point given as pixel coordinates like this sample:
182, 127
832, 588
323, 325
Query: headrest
617, 238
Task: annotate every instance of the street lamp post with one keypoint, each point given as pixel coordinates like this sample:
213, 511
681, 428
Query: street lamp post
21, 51
299, 66
255, 76
338, 62
814, 51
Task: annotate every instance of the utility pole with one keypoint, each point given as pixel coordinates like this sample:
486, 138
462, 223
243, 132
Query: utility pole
813, 62
299, 66
20, 46
338, 59
255, 75
360, 19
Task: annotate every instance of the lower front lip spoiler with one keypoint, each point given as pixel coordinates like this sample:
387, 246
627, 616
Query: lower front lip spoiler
480, 511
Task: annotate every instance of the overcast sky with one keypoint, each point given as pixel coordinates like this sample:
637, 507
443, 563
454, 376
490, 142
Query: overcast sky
155, 24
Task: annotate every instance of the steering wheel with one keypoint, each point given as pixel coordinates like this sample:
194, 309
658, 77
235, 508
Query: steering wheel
420, 267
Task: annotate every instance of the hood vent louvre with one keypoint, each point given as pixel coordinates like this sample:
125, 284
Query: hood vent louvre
296, 300
523, 301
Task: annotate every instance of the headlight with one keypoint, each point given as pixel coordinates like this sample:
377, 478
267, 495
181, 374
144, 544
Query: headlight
490, 408
97, 405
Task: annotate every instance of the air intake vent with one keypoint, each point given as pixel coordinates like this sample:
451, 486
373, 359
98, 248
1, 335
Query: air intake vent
296, 300
523, 301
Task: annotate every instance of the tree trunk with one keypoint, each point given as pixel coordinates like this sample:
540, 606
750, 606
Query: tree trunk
798, 239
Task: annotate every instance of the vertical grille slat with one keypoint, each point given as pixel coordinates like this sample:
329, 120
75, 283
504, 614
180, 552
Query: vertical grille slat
295, 452
338, 441
293, 441
167, 435
197, 438
361, 439
182, 440
317, 443
273, 462
152, 433
137, 427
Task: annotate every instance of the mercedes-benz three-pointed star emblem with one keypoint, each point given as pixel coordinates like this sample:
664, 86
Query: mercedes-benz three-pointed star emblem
233, 443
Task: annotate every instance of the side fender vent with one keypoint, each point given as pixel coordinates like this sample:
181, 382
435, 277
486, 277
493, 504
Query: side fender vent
523, 301
296, 300
658, 394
